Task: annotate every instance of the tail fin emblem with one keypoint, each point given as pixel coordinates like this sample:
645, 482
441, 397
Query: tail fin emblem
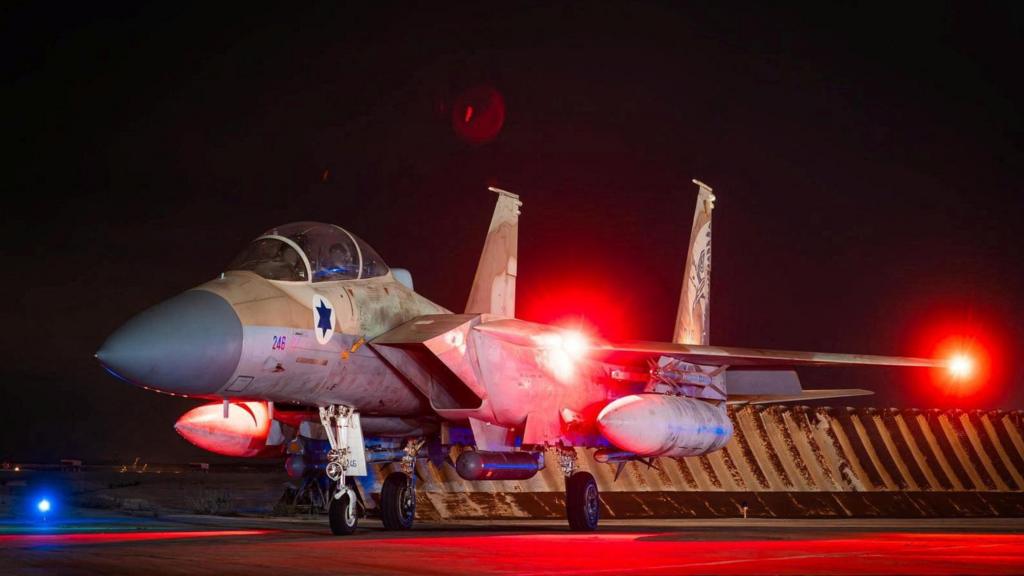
693, 318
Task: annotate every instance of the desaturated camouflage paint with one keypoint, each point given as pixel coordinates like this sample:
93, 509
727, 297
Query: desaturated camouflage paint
303, 371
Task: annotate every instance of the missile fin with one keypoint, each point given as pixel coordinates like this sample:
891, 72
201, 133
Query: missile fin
618, 470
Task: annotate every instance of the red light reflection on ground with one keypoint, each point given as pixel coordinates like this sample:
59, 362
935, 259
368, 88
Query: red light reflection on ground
693, 551
117, 537
673, 553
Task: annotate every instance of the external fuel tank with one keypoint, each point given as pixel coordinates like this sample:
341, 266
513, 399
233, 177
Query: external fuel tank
664, 425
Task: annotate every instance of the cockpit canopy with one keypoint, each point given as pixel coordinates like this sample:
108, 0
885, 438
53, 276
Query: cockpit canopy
304, 251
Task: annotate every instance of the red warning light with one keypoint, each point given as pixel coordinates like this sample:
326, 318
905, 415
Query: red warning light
575, 343
961, 366
967, 366
969, 339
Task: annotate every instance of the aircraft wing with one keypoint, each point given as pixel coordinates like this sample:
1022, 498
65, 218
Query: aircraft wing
755, 375
802, 396
729, 356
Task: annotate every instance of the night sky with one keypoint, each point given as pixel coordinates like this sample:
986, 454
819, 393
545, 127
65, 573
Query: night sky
867, 163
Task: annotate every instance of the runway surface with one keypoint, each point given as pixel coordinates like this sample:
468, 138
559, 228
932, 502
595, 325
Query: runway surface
209, 545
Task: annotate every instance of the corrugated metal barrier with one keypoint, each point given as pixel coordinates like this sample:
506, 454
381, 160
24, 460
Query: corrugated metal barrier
785, 461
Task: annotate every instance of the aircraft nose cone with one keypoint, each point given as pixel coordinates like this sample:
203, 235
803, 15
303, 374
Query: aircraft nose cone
190, 344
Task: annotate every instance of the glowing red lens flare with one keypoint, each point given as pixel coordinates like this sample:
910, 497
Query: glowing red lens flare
961, 366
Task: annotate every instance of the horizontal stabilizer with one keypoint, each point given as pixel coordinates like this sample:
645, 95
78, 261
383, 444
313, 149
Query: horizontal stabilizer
803, 396
762, 382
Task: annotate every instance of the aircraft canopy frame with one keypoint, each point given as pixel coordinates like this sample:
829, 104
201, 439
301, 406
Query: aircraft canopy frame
310, 252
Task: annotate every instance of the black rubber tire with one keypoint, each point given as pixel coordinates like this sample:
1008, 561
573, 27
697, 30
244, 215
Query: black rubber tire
342, 523
397, 502
582, 502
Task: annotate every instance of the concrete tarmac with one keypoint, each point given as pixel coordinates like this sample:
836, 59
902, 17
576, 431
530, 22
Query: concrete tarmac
187, 544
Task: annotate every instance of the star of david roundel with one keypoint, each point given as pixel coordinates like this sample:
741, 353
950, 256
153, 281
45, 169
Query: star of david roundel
323, 319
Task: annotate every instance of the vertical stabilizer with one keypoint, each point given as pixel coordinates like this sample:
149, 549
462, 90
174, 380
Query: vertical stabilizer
693, 320
494, 286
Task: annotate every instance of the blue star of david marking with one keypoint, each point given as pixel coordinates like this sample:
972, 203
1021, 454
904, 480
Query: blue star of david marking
324, 318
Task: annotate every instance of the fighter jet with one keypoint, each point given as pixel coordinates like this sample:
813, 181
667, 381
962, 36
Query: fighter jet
311, 346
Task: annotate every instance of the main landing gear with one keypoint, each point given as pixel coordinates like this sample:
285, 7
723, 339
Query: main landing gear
398, 494
582, 502
398, 501
582, 499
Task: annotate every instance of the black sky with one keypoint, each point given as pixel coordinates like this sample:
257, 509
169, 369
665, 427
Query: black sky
867, 161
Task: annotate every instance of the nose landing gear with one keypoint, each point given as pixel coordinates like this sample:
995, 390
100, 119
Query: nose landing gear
343, 513
341, 424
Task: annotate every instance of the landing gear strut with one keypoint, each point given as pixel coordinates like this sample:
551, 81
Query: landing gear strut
338, 422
